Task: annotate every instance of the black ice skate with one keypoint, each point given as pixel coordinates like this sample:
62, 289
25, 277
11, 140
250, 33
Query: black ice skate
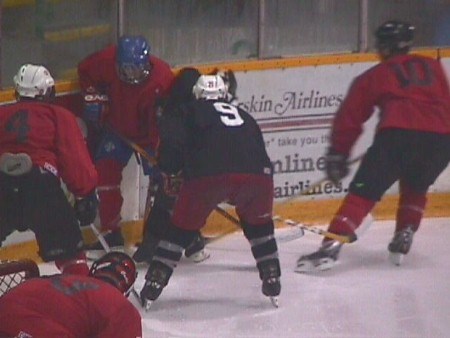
269, 272
196, 251
400, 245
145, 250
156, 279
323, 259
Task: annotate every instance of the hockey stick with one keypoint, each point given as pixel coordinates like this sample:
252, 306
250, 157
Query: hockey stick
319, 182
133, 145
280, 238
341, 238
152, 160
100, 238
318, 231
232, 219
292, 234
365, 224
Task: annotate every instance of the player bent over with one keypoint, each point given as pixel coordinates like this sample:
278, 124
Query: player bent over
40, 145
75, 306
411, 144
222, 153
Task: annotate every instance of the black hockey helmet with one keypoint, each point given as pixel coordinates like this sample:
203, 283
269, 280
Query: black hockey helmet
394, 37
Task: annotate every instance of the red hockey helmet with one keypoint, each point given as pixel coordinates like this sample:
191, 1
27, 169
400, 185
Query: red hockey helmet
117, 269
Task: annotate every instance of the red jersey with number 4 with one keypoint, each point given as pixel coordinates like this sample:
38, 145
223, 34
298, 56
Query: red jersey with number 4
132, 107
50, 135
411, 91
68, 306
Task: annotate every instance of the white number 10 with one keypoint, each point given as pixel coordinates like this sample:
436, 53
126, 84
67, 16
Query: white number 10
229, 115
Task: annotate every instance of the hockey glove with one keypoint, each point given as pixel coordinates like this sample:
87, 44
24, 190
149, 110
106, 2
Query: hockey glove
86, 208
336, 166
172, 184
95, 105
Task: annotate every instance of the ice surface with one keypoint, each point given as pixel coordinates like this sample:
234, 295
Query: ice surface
364, 295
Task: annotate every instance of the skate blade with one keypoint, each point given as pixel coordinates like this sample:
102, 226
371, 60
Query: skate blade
307, 266
200, 256
147, 305
396, 258
274, 301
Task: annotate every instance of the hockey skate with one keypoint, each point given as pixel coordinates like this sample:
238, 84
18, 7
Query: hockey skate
196, 251
323, 259
115, 241
400, 245
145, 250
156, 279
269, 272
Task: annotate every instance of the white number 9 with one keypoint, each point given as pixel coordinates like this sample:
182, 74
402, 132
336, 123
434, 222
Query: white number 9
229, 115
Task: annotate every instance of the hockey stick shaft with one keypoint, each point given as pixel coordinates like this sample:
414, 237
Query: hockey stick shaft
152, 160
280, 238
318, 231
100, 238
321, 232
133, 145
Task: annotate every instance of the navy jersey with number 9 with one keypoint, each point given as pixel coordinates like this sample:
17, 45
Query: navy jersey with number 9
212, 137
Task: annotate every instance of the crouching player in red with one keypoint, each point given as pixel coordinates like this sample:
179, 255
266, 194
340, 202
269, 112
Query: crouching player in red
40, 145
73, 306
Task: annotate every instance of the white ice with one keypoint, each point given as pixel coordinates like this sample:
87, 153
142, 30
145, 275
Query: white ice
364, 295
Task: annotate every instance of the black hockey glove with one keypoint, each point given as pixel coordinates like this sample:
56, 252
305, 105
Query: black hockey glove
86, 208
172, 184
336, 166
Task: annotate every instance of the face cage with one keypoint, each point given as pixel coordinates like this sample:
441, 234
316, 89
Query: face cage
134, 74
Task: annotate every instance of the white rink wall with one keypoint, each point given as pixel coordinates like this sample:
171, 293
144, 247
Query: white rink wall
294, 107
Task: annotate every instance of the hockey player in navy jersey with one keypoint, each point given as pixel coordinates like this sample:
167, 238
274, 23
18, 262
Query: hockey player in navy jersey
222, 153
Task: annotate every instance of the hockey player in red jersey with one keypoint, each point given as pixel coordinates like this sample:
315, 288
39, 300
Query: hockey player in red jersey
41, 144
222, 153
122, 85
411, 144
75, 306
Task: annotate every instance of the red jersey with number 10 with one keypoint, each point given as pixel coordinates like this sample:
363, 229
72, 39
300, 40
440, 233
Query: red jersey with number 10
411, 91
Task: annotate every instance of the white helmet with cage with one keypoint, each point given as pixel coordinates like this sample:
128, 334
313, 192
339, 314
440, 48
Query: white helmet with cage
33, 81
210, 87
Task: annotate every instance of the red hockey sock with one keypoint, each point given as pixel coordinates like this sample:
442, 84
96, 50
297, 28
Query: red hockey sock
350, 215
411, 206
74, 266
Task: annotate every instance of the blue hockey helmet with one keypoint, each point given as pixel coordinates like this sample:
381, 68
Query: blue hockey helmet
133, 63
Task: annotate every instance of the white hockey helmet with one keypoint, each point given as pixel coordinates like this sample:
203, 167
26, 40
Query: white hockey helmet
210, 87
34, 81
